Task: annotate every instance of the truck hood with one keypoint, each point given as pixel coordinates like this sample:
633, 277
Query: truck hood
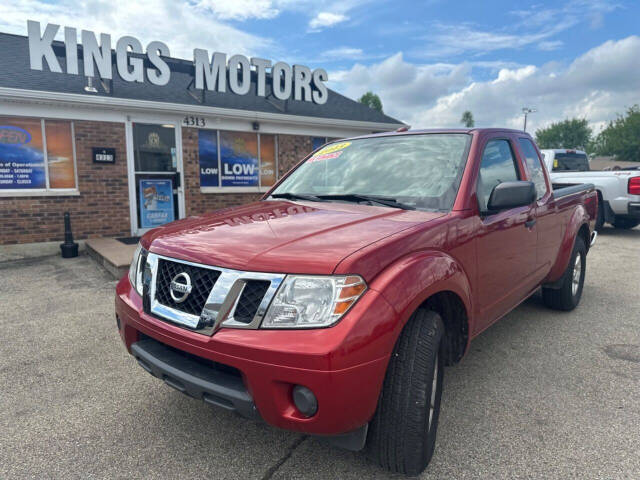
281, 236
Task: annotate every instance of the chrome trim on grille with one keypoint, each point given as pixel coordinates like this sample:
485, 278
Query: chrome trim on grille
221, 303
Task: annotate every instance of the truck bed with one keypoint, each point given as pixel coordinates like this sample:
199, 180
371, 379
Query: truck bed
565, 189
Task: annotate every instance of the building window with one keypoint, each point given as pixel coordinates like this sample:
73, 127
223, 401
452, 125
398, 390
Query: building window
317, 142
237, 160
36, 155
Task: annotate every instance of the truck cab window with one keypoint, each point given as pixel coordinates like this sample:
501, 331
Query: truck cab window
534, 166
497, 166
570, 162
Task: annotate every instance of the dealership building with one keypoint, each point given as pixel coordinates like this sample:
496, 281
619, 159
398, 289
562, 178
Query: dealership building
125, 139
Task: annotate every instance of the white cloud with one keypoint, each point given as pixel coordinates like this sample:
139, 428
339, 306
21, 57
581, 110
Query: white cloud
342, 53
596, 85
179, 24
241, 9
327, 19
549, 45
532, 26
402, 86
456, 39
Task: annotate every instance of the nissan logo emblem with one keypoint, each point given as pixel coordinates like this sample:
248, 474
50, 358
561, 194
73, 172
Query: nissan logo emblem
180, 287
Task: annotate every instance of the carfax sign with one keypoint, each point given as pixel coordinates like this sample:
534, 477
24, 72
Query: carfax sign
156, 203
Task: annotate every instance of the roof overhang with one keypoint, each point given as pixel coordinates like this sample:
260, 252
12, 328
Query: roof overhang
115, 103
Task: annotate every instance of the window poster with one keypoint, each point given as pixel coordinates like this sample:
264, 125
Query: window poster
60, 154
239, 152
21, 154
208, 158
317, 142
267, 160
156, 202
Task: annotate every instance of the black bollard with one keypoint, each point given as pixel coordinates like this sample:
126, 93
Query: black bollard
69, 248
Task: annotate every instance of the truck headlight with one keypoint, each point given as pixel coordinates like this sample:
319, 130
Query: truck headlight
136, 268
305, 301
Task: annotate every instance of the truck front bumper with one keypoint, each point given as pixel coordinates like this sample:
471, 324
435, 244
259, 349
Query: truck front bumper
253, 372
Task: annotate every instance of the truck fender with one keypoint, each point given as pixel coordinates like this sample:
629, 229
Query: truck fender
412, 279
579, 218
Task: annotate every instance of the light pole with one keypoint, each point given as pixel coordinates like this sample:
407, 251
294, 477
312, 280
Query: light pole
527, 111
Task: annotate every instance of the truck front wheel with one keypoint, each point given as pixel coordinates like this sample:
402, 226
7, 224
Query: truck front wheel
402, 434
568, 295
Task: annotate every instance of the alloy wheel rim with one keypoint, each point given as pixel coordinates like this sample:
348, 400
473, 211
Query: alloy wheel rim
577, 272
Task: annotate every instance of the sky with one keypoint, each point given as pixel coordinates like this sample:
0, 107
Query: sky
428, 60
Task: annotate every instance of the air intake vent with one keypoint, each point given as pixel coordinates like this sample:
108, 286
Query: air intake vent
252, 294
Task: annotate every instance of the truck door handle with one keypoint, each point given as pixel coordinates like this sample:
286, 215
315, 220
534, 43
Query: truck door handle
530, 223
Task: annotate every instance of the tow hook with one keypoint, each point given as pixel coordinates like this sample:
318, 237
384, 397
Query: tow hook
594, 235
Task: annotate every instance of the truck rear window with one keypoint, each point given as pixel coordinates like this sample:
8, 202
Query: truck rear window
570, 162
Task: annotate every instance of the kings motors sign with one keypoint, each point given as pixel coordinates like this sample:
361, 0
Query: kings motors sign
214, 73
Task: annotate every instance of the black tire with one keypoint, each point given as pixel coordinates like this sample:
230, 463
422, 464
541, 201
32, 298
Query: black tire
402, 434
567, 297
600, 214
625, 223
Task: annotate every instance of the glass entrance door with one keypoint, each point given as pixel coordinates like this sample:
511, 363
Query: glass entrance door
158, 181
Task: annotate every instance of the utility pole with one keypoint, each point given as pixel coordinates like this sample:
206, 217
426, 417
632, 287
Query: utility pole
527, 111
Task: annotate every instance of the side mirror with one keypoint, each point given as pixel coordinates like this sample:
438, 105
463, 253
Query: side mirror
512, 194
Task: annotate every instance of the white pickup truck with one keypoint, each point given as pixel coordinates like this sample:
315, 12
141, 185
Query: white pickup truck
618, 190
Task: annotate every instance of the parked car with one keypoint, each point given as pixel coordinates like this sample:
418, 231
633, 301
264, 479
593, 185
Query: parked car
618, 190
332, 306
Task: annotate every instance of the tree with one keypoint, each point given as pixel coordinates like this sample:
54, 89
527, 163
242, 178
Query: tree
467, 119
573, 133
371, 100
621, 138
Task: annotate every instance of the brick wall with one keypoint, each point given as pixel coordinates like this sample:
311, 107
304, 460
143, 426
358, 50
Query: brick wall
101, 209
291, 149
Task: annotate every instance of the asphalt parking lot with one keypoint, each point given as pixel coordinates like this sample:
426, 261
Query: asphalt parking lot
541, 394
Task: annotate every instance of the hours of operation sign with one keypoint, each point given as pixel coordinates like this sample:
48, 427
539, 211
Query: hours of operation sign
21, 159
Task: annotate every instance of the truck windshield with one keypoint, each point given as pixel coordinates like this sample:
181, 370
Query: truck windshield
573, 162
421, 171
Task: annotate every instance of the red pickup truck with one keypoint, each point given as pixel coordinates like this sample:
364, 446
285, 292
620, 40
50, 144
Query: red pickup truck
332, 306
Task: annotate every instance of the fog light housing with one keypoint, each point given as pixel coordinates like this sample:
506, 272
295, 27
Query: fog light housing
305, 401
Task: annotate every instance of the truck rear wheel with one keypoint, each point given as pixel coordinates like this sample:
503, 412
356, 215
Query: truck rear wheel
625, 223
568, 295
402, 434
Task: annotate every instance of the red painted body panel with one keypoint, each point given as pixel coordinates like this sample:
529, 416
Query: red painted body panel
491, 263
307, 237
347, 361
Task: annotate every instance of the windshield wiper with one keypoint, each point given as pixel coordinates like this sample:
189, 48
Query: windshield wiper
356, 197
297, 196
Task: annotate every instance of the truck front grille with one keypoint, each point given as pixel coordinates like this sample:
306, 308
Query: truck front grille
219, 297
202, 281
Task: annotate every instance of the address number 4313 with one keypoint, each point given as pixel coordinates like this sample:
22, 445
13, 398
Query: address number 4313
191, 121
